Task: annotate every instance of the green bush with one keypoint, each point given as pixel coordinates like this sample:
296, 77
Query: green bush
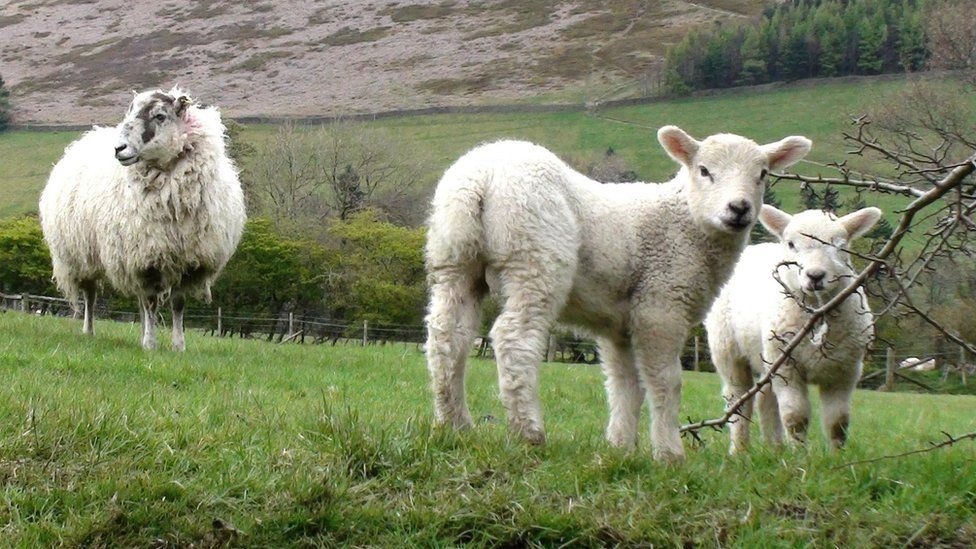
25, 263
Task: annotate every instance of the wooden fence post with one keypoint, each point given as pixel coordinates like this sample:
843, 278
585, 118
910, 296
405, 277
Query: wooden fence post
890, 370
291, 323
697, 367
365, 332
220, 322
25, 303
551, 350
962, 364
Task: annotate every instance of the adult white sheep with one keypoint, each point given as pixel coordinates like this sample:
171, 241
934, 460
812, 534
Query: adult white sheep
634, 265
758, 311
158, 219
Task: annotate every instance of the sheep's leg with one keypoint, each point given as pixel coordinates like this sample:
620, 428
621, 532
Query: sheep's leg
452, 324
88, 292
772, 427
178, 304
794, 403
148, 308
624, 392
737, 380
658, 345
836, 403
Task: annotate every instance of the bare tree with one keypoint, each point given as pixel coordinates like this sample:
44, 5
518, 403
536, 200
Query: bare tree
952, 36
309, 174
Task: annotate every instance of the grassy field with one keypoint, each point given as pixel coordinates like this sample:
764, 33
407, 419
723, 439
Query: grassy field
821, 112
256, 444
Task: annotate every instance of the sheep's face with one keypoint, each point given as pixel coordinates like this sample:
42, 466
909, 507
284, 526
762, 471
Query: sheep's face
153, 130
727, 174
814, 244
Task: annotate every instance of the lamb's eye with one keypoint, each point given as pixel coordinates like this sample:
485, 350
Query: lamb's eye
791, 245
704, 171
763, 174
160, 117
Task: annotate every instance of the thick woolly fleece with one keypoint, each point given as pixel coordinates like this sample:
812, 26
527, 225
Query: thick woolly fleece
755, 315
149, 231
634, 265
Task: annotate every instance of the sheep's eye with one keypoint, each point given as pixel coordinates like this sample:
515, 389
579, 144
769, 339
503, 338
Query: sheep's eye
704, 171
160, 117
763, 174
791, 245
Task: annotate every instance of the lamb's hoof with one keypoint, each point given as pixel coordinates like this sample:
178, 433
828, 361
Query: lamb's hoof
669, 457
622, 442
535, 437
459, 423
149, 345
179, 348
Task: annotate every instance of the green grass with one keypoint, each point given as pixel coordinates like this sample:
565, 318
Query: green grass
102, 444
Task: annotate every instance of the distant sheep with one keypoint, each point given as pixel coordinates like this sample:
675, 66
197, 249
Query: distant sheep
757, 312
634, 265
918, 364
158, 220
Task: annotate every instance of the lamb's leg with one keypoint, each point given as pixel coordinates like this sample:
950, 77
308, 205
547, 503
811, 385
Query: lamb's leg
736, 381
772, 427
452, 324
148, 308
657, 345
794, 403
519, 339
836, 403
624, 392
88, 291
178, 304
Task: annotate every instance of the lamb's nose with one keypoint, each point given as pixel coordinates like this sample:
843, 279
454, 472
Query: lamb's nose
120, 148
739, 207
816, 275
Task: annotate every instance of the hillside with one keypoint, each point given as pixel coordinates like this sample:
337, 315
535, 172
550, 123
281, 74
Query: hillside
271, 445
75, 61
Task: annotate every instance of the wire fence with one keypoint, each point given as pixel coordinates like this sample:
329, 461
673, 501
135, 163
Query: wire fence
881, 366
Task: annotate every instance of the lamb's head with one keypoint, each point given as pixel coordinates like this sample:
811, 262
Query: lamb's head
814, 245
154, 129
727, 173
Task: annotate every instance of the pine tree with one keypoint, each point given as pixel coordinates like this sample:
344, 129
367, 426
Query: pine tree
872, 35
4, 105
753, 59
911, 40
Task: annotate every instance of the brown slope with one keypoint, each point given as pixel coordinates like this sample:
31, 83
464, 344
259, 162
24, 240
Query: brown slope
75, 61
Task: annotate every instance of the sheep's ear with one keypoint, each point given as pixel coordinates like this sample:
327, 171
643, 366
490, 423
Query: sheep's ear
774, 220
679, 145
182, 102
860, 222
787, 151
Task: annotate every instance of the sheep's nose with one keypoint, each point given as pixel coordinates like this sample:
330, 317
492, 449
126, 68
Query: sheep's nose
816, 275
740, 207
120, 148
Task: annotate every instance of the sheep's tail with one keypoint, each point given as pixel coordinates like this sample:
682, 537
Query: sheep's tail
455, 231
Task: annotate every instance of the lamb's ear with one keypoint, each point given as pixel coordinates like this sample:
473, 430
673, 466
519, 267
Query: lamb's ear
679, 145
860, 222
774, 220
786, 151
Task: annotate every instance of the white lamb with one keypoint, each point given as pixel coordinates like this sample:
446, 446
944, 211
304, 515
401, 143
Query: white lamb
757, 313
153, 205
634, 265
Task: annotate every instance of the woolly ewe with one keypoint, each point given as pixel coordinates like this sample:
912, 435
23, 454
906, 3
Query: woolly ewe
634, 265
757, 312
158, 218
